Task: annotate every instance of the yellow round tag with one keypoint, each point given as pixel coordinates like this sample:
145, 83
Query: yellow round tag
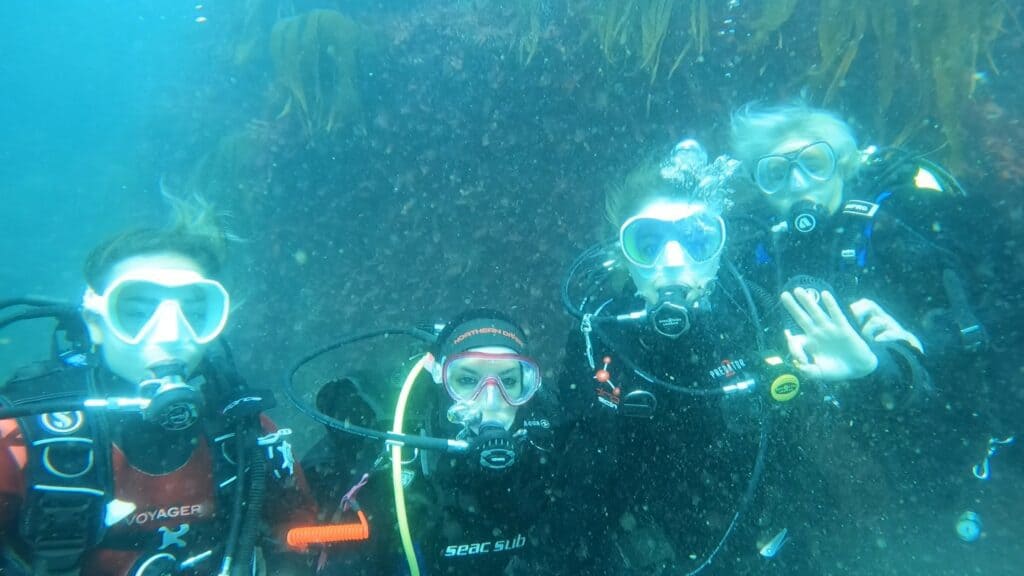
785, 387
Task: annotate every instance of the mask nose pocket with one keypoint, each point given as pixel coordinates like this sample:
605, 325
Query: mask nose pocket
673, 255
797, 180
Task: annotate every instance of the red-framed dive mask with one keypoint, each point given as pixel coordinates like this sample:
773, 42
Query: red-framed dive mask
465, 376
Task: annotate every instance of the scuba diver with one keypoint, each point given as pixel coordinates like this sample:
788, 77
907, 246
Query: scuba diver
869, 223
875, 223
137, 449
676, 369
466, 504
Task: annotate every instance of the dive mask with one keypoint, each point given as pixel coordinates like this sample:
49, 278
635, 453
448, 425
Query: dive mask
465, 376
157, 304
816, 161
655, 237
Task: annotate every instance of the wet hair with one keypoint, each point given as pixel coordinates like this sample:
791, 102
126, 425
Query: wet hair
756, 131
639, 188
194, 233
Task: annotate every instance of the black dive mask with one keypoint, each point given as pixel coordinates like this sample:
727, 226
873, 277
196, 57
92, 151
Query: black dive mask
173, 403
493, 447
670, 316
806, 217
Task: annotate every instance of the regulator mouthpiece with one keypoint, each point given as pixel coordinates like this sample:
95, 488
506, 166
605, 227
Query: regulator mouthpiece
173, 402
805, 217
494, 447
670, 316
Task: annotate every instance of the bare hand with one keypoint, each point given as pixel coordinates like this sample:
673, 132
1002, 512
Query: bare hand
830, 348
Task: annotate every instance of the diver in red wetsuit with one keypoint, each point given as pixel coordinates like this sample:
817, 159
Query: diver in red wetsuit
138, 450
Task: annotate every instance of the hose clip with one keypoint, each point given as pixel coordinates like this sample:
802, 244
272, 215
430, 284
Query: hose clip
982, 471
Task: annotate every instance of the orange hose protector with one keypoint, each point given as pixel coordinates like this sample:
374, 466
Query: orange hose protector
304, 536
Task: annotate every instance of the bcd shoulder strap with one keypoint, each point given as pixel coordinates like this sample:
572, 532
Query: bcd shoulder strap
67, 473
68, 470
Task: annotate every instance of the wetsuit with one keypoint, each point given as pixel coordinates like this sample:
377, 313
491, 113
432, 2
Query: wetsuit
889, 241
913, 251
180, 482
463, 519
652, 495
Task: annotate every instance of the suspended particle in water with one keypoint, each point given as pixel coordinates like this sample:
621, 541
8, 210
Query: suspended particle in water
772, 547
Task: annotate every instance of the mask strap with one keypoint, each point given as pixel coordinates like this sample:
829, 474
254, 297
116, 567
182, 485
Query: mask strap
92, 301
434, 366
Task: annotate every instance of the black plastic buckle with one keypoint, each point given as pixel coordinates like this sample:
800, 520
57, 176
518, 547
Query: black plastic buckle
638, 404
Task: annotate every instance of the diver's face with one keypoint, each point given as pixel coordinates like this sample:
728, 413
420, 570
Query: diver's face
797, 170
696, 277
167, 339
673, 244
488, 383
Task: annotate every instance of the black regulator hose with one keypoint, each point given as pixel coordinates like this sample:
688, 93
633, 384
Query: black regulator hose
253, 511
35, 408
754, 313
60, 312
68, 316
231, 545
748, 493
632, 365
571, 274
37, 301
421, 442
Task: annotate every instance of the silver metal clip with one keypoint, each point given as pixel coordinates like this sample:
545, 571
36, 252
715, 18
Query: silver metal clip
982, 471
275, 441
273, 437
586, 327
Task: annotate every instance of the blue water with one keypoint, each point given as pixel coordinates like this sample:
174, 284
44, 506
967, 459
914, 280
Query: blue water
467, 179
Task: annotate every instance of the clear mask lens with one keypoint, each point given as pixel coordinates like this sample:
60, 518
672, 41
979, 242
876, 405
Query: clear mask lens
816, 160
136, 309
644, 239
468, 376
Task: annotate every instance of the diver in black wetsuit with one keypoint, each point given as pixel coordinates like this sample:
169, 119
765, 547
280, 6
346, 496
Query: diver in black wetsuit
877, 226
671, 380
467, 513
872, 223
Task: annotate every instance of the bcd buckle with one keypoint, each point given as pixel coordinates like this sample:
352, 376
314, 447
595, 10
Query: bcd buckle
638, 404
